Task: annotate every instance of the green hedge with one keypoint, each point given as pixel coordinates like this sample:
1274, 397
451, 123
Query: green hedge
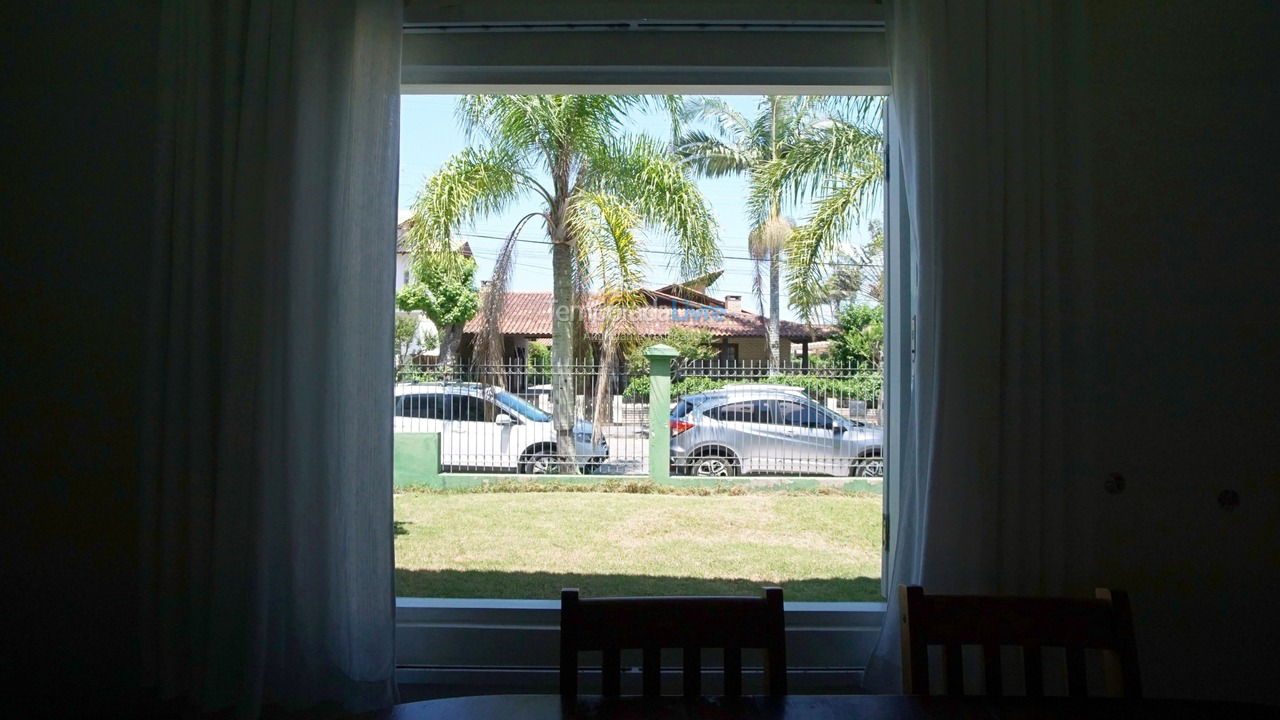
861, 385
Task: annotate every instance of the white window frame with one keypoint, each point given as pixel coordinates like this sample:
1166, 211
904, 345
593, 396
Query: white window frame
828, 48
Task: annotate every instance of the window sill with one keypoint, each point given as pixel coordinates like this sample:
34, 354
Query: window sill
513, 645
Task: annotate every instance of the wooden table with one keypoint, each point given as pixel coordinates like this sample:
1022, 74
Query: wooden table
816, 707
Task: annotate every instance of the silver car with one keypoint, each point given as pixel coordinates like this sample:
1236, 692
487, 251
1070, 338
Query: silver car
776, 431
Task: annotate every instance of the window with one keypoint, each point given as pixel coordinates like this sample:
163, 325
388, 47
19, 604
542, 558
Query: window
420, 406
744, 411
787, 412
522, 407
440, 636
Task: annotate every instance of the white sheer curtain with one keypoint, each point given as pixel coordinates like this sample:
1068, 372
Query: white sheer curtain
982, 123
267, 536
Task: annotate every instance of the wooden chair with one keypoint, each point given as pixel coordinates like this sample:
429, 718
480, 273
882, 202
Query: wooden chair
690, 623
1104, 623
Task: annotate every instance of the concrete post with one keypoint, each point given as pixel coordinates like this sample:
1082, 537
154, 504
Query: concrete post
660, 357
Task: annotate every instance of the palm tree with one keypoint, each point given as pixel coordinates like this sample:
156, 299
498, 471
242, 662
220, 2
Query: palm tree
593, 186
738, 145
794, 148
839, 164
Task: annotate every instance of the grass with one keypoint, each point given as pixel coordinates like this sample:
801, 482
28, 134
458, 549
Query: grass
513, 543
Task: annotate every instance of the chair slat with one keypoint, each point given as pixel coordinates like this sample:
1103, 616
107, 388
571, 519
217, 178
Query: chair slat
775, 662
733, 672
652, 672
993, 672
915, 653
955, 669
692, 672
1127, 646
569, 642
1076, 678
611, 673
1033, 667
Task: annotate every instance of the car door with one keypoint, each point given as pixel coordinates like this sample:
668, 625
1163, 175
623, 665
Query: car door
471, 437
808, 441
736, 425
414, 413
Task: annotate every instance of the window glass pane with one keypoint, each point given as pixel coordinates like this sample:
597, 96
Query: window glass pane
681, 409
747, 411
523, 407
802, 415
415, 406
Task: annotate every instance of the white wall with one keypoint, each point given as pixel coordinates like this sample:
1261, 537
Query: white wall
79, 129
1178, 380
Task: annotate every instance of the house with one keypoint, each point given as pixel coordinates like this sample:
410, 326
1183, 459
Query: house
404, 274
1181, 387
740, 335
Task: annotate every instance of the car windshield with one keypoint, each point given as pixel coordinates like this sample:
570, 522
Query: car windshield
521, 406
683, 407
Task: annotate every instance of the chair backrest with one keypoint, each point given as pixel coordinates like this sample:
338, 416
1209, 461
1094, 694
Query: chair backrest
992, 622
651, 624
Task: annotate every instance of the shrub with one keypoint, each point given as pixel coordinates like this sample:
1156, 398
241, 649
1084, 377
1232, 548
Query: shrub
862, 385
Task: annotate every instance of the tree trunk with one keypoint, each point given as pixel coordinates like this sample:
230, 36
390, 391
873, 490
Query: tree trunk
562, 395
450, 338
774, 325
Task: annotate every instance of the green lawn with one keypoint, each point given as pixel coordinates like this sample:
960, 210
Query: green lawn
819, 547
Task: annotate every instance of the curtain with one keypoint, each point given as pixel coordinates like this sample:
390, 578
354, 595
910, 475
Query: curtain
982, 117
267, 528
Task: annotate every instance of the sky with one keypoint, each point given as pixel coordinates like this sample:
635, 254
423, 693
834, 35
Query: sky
430, 134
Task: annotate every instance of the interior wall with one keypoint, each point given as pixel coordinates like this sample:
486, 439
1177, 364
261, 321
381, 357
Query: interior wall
1182, 386
1182, 395
79, 135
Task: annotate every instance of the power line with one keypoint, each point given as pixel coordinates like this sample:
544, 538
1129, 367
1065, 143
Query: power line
661, 252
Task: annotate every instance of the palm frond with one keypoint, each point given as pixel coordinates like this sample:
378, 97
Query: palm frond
814, 242
470, 185
493, 298
808, 164
658, 188
734, 128
711, 157
604, 226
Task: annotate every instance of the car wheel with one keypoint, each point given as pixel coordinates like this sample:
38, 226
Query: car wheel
539, 462
713, 466
869, 466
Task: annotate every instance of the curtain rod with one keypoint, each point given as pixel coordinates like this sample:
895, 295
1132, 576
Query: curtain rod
648, 26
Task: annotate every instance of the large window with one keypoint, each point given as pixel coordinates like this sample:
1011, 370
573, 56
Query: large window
436, 62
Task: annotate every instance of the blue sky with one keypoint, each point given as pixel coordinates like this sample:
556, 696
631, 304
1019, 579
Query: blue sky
429, 134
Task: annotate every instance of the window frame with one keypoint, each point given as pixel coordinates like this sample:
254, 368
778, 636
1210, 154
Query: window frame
507, 645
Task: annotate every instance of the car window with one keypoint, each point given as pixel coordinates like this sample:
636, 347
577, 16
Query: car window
788, 412
419, 406
522, 407
467, 408
742, 411
681, 409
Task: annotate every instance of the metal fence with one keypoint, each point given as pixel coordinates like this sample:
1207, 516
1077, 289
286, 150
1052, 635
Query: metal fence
726, 419
500, 418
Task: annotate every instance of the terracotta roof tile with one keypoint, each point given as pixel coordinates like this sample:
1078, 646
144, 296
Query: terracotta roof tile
529, 314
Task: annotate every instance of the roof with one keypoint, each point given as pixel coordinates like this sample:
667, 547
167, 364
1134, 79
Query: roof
528, 314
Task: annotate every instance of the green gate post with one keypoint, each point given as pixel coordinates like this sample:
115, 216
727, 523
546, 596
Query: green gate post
660, 411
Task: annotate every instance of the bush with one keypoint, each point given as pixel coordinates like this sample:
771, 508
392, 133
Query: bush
538, 364
864, 385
